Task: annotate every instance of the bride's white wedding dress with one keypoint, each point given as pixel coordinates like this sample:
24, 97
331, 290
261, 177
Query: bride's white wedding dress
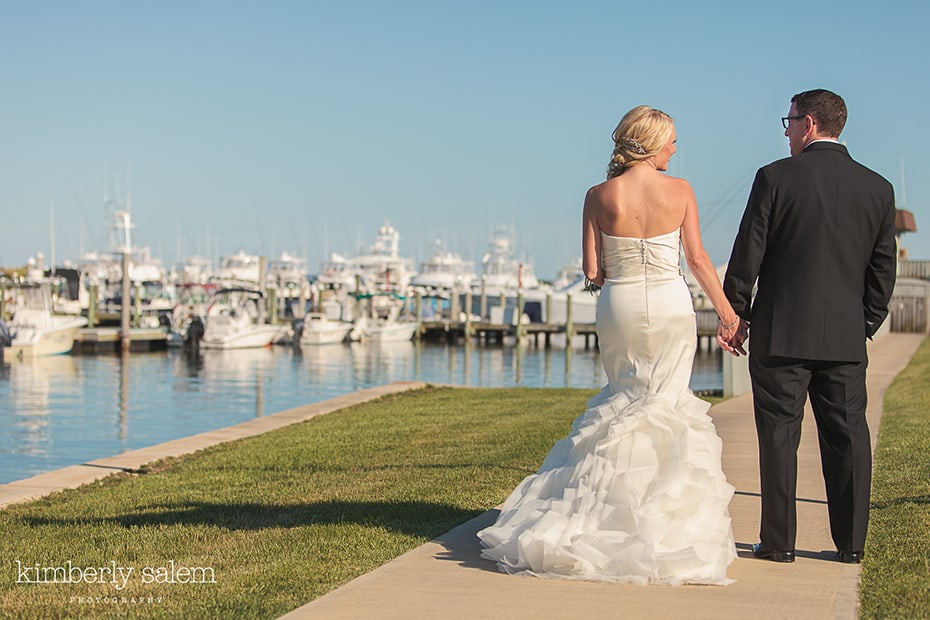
636, 492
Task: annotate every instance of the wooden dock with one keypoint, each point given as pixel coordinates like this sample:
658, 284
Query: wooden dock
494, 333
91, 340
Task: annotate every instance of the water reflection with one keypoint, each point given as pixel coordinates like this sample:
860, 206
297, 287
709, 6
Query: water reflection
70, 409
33, 386
124, 396
238, 371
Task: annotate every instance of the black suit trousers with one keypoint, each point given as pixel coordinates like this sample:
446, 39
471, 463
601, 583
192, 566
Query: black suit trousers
838, 398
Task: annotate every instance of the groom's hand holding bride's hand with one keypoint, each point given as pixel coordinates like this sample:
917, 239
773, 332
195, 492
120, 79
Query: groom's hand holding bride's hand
739, 338
723, 338
731, 340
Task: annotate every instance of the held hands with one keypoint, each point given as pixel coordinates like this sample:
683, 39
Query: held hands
731, 337
593, 286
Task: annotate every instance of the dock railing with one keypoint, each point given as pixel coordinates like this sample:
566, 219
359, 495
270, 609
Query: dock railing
914, 269
504, 319
909, 310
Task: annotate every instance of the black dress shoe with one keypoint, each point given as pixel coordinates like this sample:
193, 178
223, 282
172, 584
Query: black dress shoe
850, 557
764, 553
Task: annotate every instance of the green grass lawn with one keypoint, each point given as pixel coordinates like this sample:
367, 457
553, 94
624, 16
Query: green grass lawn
259, 526
896, 571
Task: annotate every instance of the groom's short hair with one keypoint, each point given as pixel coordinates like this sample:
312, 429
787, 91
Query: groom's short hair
828, 110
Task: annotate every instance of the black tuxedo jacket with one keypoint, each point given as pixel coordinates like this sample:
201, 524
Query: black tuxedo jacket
818, 233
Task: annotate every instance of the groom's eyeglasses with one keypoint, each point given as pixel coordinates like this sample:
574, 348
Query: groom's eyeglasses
785, 119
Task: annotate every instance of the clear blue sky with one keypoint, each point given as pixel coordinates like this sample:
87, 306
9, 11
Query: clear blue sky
302, 126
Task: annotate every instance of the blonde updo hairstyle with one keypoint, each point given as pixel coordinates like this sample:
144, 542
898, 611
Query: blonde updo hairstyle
642, 132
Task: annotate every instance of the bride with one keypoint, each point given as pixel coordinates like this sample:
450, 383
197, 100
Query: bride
635, 493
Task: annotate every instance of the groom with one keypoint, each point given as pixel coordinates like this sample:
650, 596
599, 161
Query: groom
819, 234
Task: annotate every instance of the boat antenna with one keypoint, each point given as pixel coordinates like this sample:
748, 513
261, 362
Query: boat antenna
51, 231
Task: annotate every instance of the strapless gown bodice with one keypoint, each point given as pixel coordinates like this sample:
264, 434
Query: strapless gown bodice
635, 492
630, 258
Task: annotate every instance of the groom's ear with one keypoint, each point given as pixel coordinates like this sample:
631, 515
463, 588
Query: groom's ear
811, 129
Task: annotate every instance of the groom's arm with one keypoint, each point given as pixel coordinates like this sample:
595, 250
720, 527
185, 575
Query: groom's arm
880, 273
749, 246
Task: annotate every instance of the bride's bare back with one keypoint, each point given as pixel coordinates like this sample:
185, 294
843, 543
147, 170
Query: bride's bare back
640, 203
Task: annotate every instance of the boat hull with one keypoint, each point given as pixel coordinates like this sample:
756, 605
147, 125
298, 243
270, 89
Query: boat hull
56, 339
396, 332
258, 336
333, 335
319, 329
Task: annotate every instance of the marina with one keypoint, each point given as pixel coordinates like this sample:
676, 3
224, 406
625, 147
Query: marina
198, 348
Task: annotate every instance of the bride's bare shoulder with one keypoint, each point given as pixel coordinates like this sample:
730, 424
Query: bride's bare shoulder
678, 181
608, 187
679, 185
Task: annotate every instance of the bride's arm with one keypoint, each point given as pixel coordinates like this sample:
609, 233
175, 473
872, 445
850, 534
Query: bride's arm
701, 266
591, 243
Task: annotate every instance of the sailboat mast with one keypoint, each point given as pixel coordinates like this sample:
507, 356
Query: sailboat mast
51, 234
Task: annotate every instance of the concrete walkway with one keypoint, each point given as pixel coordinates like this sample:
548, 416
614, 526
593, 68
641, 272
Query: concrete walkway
446, 578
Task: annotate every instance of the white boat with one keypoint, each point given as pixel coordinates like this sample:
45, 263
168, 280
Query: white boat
537, 302
501, 271
193, 301
382, 330
35, 331
385, 320
444, 270
383, 268
542, 304
336, 274
151, 292
380, 269
238, 267
391, 331
319, 329
236, 320
287, 276
194, 270
568, 274
288, 271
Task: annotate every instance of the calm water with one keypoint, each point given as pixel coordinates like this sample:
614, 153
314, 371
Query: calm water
66, 410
